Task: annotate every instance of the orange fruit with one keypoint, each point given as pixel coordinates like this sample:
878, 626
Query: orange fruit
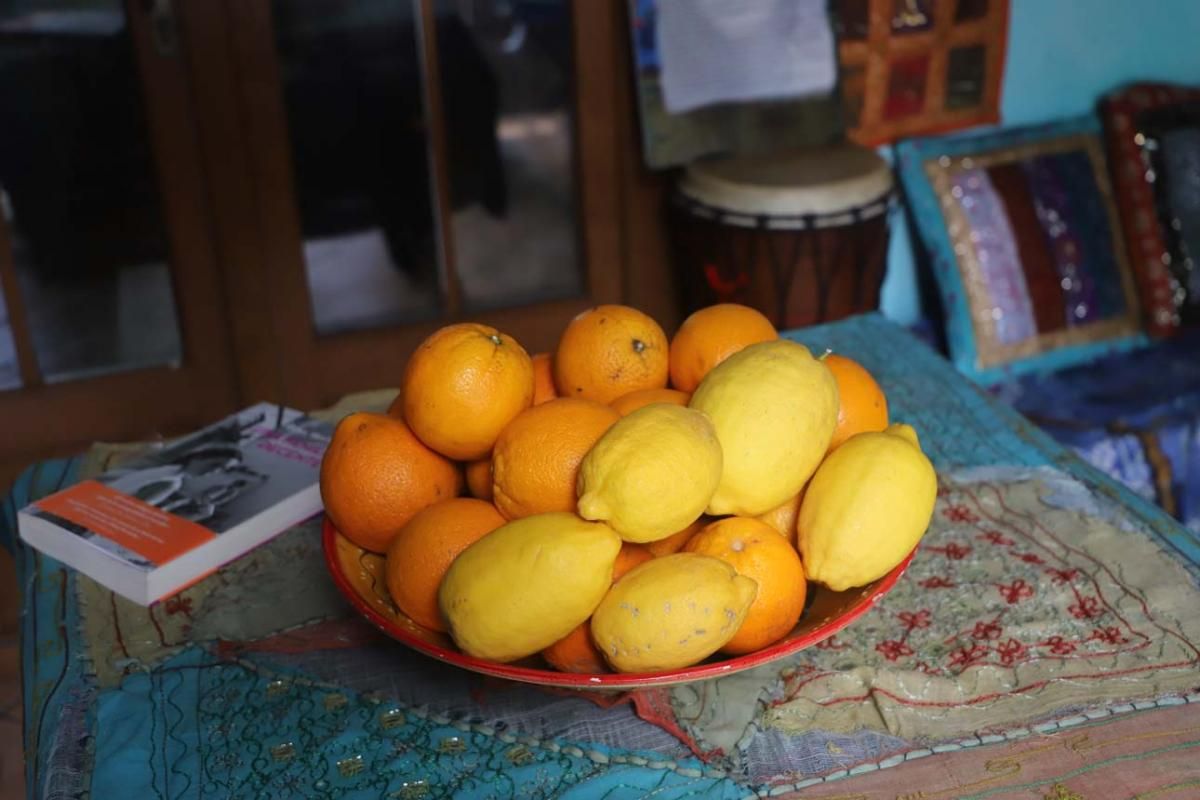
862, 405
711, 335
376, 475
782, 518
423, 550
536, 460
629, 557
396, 408
576, 652
756, 550
675, 542
543, 378
609, 351
628, 403
461, 387
479, 478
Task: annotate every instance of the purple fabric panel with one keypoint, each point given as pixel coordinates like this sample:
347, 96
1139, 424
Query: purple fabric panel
1052, 202
997, 254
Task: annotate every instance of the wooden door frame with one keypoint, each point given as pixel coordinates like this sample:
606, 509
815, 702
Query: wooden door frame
45, 419
280, 355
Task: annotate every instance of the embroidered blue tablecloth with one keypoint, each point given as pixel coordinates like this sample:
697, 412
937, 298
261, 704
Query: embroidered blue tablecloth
252, 684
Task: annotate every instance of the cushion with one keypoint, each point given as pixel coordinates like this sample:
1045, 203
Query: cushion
1152, 133
1025, 244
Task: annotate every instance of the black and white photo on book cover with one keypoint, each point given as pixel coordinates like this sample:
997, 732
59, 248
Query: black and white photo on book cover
229, 472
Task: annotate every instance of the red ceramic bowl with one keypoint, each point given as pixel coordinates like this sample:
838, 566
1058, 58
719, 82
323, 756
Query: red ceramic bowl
360, 577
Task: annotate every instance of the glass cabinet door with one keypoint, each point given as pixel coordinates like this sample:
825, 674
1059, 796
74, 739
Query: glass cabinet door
109, 325
432, 161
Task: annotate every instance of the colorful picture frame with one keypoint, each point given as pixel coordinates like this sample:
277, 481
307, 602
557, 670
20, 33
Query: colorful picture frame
913, 67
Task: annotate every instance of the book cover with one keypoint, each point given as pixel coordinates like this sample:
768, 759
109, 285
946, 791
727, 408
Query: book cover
164, 520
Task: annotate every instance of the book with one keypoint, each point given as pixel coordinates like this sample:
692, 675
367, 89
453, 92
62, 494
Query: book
161, 522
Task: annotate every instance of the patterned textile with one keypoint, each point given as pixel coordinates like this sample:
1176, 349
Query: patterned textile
1135, 182
917, 66
1135, 417
1172, 142
1137, 754
336, 710
1013, 610
1026, 246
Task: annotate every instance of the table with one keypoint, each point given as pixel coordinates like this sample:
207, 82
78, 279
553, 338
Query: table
1043, 644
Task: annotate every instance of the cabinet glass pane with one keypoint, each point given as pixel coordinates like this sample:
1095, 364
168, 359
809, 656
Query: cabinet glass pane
79, 191
10, 372
507, 81
357, 131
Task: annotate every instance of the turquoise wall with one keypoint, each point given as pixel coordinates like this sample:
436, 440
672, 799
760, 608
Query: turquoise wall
1062, 55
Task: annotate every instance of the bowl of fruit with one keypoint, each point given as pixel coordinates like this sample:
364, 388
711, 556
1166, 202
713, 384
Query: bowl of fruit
571, 520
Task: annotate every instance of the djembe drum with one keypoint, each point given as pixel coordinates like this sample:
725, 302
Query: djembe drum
800, 236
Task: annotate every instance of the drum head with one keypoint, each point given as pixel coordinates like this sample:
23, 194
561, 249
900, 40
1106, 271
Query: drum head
812, 182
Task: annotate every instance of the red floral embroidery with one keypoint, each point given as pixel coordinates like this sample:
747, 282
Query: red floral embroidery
1110, 635
1062, 575
1014, 592
178, 605
1086, 608
987, 630
1059, 646
1030, 558
921, 666
996, 537
958, 513
1011, 651
893, 649
953, 551
921, 619
966, 656
937, 582
831, 644
942, 490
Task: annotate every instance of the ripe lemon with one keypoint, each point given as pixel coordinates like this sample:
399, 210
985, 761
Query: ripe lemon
774, 407
527, 584
866, 508
671, 612
652, 473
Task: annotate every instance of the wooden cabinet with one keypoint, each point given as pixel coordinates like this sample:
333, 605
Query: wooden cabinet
334, 181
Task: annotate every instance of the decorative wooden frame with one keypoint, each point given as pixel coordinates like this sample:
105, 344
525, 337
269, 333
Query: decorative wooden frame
869, 63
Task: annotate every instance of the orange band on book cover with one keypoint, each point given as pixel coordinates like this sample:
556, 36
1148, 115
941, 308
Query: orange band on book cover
150, 532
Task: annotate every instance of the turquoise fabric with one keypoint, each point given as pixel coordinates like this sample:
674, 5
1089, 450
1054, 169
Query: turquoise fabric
926, 211
200, 727
205, 725
55, 692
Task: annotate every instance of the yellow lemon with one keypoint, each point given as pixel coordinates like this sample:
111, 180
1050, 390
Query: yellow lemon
671, 612
866, 508
652, 473
774, 407
527, 584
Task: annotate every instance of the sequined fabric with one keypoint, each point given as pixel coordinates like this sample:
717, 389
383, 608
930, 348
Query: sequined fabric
1161, 293
1027, 251
996, 256
1050, 203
